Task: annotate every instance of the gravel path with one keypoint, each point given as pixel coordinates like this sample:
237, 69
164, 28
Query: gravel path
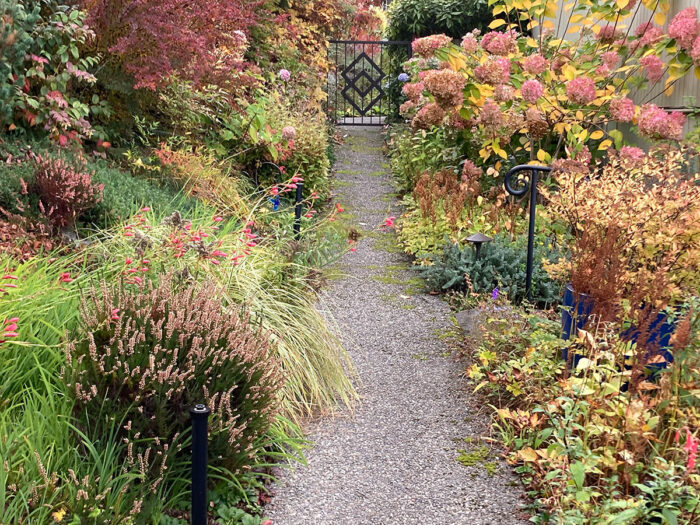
394, 461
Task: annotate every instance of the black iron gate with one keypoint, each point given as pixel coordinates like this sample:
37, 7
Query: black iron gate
363, 87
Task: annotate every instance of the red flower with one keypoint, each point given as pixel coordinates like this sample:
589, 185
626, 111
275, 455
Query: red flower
65, 277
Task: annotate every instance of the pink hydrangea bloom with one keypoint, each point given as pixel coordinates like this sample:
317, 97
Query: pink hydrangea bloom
655, 123
289, 133
695, 51
470, 171
611, 59
608, 34
469, 43
535, 64
285, 75
581, 90
494, 71
622, 109
498, 43
531, 91
631, 153
446, 86
684, 27
491, 117
426, 46
407, 107
413, 91
428, 116
648, 33
503, 93
653, 67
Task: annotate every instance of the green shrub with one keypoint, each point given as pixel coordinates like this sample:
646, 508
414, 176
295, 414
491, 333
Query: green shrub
145, 355
409, 19
412, 154
502, 265
124, 194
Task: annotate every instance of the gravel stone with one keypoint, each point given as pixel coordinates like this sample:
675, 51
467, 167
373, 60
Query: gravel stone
394, 459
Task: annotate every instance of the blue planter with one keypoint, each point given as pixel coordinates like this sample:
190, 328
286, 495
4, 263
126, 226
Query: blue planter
576, 309
658, 343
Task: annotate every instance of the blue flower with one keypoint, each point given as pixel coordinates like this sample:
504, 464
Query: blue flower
275, 202
403, 77
494, 294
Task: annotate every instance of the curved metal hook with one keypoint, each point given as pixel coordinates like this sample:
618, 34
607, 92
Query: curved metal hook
508, 179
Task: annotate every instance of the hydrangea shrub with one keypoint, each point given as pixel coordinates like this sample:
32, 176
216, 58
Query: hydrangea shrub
544, 97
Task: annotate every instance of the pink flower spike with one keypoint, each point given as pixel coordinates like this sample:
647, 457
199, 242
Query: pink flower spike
353, 249
128, 260
217, 219
297, 179
147, 208
138, 280
10, 334
9, 277
214, 261
252, 244
13, 320
65, 277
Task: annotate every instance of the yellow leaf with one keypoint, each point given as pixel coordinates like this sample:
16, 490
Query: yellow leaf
697, 72
597, 135
479, 200
548, 24
660, 18
531, 42
579, 115
58, 515
497, 23
622, 3
528, 454
605, 145
541, 154
573, 29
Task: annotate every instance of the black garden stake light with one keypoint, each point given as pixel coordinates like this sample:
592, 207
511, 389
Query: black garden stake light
477, 240
297, 211
199, 415
531, 185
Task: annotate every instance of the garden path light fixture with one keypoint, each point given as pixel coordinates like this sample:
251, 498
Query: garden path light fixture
477, 240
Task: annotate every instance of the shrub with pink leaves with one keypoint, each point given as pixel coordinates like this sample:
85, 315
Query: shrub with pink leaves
64, 187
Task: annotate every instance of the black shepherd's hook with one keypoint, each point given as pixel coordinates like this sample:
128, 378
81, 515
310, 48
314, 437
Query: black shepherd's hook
529, 185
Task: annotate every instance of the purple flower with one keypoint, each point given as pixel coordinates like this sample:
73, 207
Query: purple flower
494, 294
403, 77
285, 75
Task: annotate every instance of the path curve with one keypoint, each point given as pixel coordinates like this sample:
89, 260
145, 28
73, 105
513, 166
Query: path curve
394, 461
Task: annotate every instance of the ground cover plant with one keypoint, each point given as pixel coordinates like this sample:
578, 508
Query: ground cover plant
150, 156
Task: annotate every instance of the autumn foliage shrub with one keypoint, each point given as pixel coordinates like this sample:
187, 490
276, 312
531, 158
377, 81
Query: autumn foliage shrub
65, 188
146, 355
155, 39
634, 221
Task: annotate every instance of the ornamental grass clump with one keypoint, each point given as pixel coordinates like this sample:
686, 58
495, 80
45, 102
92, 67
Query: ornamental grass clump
145, 356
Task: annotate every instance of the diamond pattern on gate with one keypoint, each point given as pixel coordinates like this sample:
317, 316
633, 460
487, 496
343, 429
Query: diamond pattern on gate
373, 81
